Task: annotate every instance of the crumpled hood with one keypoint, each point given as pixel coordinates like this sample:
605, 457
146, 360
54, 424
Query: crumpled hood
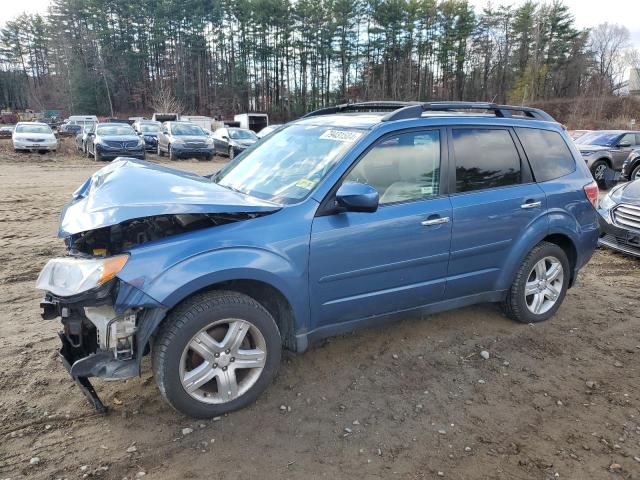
128, 188
629, 193
590, 148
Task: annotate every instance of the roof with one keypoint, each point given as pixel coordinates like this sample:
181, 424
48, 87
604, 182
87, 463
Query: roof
369, 114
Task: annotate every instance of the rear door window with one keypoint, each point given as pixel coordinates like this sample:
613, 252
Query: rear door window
485, 158
547, 152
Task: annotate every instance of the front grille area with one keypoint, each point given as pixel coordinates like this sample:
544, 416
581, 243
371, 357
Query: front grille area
131, 144
195, 144
627, 216
35, 139
619, 243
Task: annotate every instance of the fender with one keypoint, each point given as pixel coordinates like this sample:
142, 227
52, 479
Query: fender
204, 269
534, 233
558, 223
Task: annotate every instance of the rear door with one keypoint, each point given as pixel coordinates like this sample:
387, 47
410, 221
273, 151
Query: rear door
621, 150
365, 264
494, 199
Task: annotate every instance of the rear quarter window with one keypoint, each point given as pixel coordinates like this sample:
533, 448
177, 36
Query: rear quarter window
547, 152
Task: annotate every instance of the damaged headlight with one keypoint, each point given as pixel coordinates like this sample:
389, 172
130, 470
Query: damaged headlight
70, 276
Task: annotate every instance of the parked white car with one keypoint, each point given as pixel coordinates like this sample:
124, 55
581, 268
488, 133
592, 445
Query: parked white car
34, 136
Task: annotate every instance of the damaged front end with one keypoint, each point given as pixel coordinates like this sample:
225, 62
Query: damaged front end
103, 334
107, 322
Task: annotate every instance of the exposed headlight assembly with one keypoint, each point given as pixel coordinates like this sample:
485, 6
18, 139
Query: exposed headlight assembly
607, 203
70, 276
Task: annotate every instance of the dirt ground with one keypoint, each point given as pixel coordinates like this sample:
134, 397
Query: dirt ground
412, 400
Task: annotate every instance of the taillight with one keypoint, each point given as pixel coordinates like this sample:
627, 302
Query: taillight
591, 191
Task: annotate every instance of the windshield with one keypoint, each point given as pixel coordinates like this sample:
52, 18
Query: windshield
186, 129
149, 128
286, 166
240, 134
33, 129
115, 130
598, 138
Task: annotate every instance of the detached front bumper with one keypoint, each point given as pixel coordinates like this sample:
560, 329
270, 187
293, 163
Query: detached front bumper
96, 340
617, 238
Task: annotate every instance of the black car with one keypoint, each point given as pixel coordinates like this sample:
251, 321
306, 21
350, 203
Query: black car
607, 149
148, 131
231, 141
620, 218
112, 140
631, 166
72, 128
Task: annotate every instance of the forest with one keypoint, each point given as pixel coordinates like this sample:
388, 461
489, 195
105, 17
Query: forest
286, 57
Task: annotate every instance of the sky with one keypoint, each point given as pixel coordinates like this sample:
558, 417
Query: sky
588, 13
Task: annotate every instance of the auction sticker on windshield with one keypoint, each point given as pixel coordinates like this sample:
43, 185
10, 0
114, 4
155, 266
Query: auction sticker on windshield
341, 135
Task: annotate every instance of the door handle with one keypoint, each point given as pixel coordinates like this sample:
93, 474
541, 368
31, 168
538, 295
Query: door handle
531, 205
435, 221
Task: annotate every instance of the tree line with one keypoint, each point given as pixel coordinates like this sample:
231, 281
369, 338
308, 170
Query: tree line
287, 57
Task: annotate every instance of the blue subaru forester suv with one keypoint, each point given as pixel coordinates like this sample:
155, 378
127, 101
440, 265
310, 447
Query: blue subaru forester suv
339, 220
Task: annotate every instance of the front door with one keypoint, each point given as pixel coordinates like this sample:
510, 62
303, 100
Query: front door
619, 152
364, 264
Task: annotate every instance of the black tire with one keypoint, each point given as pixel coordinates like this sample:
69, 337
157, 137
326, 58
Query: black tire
635, 173
189, 318
172, 155
96, 155
231, 153
514, 306
598, 168
160, 152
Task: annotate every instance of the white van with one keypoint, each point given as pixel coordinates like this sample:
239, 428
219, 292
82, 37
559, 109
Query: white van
201, 121
82, 119
252, 121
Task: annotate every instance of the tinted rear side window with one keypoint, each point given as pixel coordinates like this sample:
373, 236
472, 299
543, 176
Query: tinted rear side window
485, 158
547, 152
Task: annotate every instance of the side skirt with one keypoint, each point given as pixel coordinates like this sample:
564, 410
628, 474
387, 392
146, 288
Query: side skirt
303, 340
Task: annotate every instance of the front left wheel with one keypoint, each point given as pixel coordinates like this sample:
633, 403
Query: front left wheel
215, 353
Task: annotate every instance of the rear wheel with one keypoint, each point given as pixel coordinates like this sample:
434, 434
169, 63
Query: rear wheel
160, 152
540, 284
96, 155
635, 174
215, 353
232, 153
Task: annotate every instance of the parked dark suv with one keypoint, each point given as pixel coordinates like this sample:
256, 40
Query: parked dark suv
340, 220
604, 149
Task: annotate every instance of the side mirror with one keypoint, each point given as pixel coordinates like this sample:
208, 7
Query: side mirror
224, 137
624, 144
357, 197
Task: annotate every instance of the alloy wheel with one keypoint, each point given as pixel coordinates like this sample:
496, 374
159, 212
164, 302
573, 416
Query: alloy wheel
599, 172
544, 285
222, 361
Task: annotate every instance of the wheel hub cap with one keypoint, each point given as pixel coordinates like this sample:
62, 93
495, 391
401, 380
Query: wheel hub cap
544, 285
222, 361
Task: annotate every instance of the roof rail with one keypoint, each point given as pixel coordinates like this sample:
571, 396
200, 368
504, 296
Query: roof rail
361, 107
505, 111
